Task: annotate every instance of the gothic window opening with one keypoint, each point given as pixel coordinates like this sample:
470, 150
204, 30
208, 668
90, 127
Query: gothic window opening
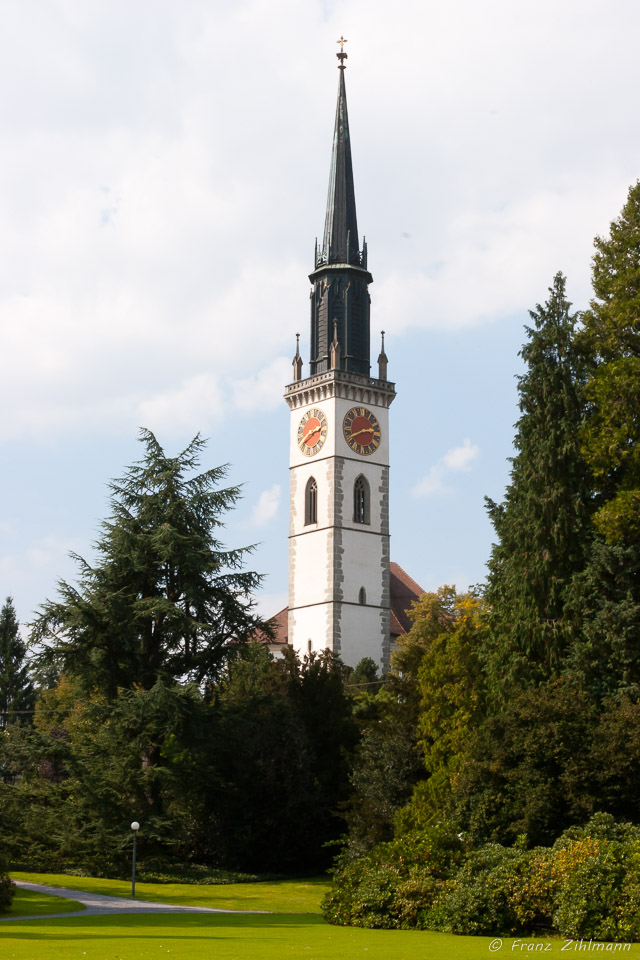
362, 596
361, 501
311, 502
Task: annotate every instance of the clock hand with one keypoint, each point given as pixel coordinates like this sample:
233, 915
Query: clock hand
311, 433
364, 430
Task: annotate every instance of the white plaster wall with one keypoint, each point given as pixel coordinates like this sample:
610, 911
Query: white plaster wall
360, 552
322, 472
312, 623
313, 580
361, 634
362, 567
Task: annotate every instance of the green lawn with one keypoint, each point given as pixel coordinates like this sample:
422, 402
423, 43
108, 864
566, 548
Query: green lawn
282, 896
28, 902
287, 933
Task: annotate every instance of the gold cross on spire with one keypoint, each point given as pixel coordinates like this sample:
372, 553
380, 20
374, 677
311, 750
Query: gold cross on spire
342, 56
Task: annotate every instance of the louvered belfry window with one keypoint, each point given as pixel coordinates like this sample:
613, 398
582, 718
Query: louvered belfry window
361, 500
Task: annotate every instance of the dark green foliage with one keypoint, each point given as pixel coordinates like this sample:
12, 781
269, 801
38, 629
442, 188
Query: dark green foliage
418, 725
526, 770
364, 673
478, 899
283, 758
529, 718
614, 757
586, 885
317, 689
387, 766
7, 887
245, 781
543, 524
453, 697
605, 598
16, 688
90, 767
224, 756
599, 897
550, 759
604, 605
164, 599
611, 339
395, 884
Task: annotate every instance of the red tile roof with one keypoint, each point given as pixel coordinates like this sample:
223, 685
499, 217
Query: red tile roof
280, 626
404, 591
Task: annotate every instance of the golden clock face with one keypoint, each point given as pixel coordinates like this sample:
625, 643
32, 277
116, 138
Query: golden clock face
362, 431
312, 431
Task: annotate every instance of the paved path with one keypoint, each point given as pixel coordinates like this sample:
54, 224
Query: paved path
98, 903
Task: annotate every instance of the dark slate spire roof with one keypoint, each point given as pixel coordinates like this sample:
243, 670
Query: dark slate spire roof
340, 301
341, 226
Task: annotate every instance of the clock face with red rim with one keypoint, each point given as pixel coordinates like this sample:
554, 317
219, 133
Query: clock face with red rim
362, 431
312, 432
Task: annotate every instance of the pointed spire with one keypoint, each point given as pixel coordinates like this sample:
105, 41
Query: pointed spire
341, 228
297, 361
382, 361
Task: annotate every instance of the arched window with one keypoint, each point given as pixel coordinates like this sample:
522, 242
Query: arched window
361, 501
311, 502
362, 596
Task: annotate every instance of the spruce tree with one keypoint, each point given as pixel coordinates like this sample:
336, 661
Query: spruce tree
543, 524
16, 689
606, 596
164, 600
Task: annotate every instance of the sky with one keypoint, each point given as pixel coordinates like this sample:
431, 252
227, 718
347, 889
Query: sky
163, 176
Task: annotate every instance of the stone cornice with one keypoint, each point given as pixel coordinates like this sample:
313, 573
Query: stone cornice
340, 383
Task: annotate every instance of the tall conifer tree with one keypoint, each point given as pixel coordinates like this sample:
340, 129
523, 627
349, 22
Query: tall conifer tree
164, 599
16, 689
543, 523
611, 338
606, 596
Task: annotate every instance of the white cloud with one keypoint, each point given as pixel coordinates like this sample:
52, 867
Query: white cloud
264, 389
159, 222
459, 458
192, 406
267, 506
453, 461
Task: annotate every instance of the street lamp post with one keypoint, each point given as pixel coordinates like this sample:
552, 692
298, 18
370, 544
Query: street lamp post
135, 826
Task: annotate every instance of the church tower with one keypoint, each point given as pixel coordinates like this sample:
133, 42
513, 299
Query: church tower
339, 444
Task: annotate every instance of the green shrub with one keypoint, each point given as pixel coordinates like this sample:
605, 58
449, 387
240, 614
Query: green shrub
586, 886
597, 870
7, 886
395, 884
480, 898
